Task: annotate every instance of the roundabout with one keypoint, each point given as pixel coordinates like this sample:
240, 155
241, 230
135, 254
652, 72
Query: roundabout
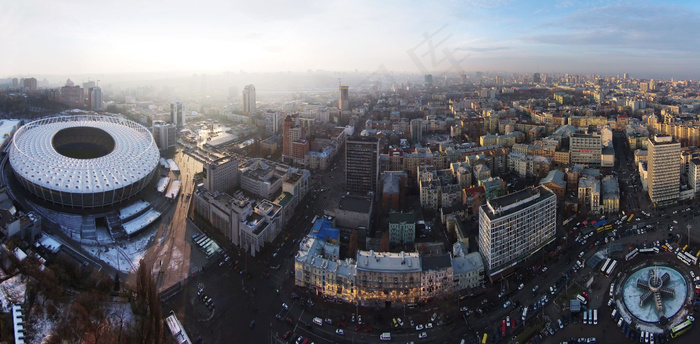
654, 296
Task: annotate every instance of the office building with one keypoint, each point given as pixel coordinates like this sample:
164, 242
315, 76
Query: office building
164, 134
249, 99
585, 150
663, 170
515, 226
177, 113
362, 164
221, 175
95, 99
428, 79
344, 99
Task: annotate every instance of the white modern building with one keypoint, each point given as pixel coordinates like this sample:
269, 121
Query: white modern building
663, 170
222, 174
249, 99
515, 226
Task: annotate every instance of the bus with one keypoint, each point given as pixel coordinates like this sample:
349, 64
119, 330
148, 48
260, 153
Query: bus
630, 218
649, 250
585, 318
486, 337
602, 229
611, 268
681, 328
693, 259
605, 265
595, 316
698, 254
683, 258
632, 254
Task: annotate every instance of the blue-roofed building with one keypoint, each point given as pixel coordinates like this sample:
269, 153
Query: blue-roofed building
324, 229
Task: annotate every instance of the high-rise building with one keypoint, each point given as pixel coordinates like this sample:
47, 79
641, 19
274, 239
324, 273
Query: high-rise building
362, 164
428, 79
164, 134
694, 175
585, 149
344, 98
95, 99
417, 130
663, 170
177, 113
536, 78
463, 79
15, 83
30, 84
626, 76
515, 226
72, 95
249, 99
221, 175
294, 142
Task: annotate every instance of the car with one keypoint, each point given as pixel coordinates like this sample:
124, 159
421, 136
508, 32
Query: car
252, 324
329, 321
341, 324
512, 323
358, 328
287, 334
339, 331
561, 325
284, 305
278, 317
398, 320
419, 327
505, 305
521, 286
422, 335
353, 318
359, 319
507, 320
692, 274
432, 318
289, 321
429, 325
368, 329
544, 269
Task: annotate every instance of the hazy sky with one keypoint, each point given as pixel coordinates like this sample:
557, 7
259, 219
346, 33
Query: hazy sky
607, 37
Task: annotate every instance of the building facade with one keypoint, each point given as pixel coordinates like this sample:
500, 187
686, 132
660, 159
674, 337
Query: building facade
177, 113
585, 150
663, 170
221, 175
249, 99
165, 134
402, 228
362, 164
516, 226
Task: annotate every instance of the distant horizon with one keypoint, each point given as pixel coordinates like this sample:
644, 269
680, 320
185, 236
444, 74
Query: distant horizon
83, 38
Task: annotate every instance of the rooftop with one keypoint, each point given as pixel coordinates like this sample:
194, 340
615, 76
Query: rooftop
516, 201
387, 261
437, 262
402, 217
355, 204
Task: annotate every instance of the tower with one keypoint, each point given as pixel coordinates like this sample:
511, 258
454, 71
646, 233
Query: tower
95, 99
177, 113
249, 99
344, 99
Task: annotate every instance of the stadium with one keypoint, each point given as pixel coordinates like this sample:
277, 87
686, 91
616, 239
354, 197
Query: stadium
84, 160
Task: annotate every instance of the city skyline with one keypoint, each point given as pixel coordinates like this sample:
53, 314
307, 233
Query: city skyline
78, 37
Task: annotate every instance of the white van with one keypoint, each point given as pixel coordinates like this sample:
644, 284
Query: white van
385, 336
318, 321
582, 299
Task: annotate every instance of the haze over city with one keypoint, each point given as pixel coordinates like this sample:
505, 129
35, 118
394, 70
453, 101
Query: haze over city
646, 39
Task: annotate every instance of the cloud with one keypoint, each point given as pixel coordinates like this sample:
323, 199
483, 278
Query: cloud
482, 49
623, 26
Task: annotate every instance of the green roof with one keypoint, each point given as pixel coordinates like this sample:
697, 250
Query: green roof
284, 198
402, 217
